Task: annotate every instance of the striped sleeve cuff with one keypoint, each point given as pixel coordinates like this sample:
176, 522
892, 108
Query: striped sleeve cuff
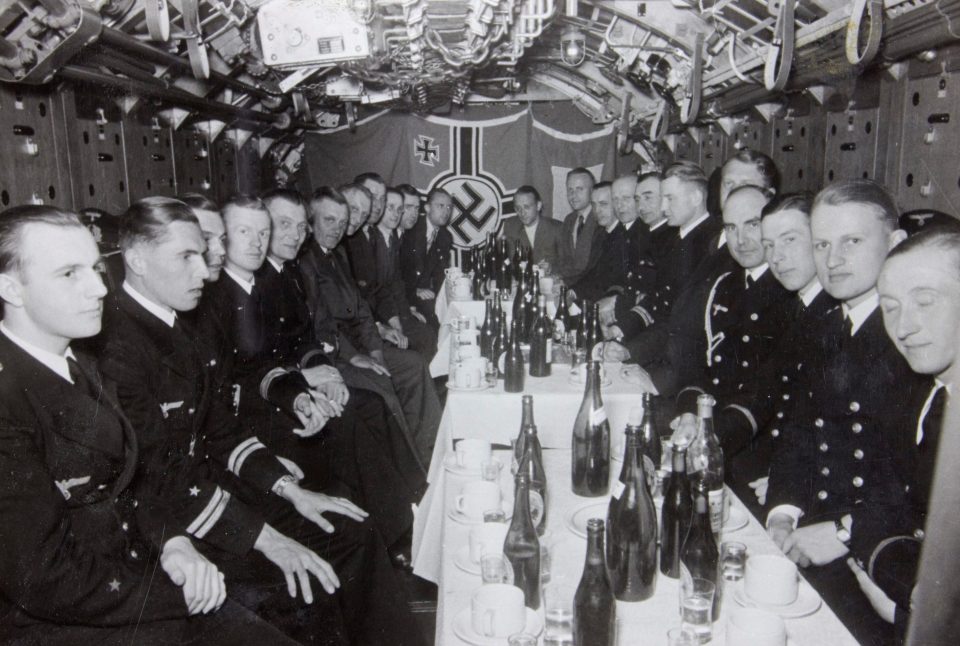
241, 452
746, 413
210, 514
268, 379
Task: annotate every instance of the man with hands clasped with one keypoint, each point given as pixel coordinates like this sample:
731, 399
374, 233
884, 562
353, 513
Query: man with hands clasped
214, 480
79, 563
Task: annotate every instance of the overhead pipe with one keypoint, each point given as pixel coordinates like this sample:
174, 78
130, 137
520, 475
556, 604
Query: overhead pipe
120, 40
176, 96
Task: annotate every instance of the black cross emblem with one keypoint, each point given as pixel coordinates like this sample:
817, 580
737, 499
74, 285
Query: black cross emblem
425, 151
467, 212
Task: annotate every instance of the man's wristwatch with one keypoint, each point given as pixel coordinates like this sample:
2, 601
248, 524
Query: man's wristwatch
281, 484
843, 534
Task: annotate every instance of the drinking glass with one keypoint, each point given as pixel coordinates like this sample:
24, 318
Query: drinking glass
666, 453
558, 610
696, 605
544, 561
682, 636
577, 356
733, 558
490, 470
495, 568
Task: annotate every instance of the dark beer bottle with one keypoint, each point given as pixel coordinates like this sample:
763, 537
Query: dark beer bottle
513, 371
487, 331
632, 529
499, 346
700, 557
526, 420
677, 514
590, 466
648, 441
594, 608
541, 341
521, 546
561, 324
531, 464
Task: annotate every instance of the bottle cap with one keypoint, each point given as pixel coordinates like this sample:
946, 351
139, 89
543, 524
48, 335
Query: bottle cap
635, 418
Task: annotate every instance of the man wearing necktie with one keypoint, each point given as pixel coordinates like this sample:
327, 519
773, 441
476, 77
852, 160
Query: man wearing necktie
576, 235
79, 559
425, 254
919, 291
836, 468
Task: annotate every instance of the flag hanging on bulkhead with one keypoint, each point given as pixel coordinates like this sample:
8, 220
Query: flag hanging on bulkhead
480, 163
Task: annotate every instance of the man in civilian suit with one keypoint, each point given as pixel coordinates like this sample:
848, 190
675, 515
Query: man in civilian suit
531, 230
576, 236
425, 254
79, 556
342, 318
838, 465
207, 473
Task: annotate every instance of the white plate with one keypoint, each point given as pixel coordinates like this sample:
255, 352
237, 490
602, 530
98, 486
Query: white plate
574, 379
457, 389
738, 519
463, 519
577, 519
461, 558
463, 629
806, 603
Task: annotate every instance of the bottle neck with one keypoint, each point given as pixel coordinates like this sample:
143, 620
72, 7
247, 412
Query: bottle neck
679, 461
527, 420
630, 464
594, 561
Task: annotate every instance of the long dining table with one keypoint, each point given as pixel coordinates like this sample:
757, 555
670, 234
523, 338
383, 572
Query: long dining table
440, 539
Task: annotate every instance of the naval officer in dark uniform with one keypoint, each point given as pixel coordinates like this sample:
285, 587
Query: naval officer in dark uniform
76, 565
837, 465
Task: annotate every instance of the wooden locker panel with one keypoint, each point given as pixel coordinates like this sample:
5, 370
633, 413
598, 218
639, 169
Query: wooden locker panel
249, 168
850, 148
35, 167
713, 148
224, 167
149, 151
798, 152
191, 160
929, 175
97, 160
755, 134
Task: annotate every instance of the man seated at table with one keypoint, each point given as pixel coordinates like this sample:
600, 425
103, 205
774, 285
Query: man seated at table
76, 565
425, 254
342, 318
602, 269
411, 208
576, 237
836, 466
214, 234
421, 337
530, 230
284, 384
208, 475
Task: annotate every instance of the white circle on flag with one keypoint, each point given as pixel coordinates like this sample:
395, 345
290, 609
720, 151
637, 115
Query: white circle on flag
477, 205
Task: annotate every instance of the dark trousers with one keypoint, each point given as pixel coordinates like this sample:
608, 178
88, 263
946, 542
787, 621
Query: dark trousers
422, 336
839, 588
232, 624
369, 607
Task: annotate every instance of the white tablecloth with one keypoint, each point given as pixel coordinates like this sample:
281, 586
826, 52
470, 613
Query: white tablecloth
645, 622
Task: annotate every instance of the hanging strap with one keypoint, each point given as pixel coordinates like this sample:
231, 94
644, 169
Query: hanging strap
776, 69
157, 14
196, 48
690, 106
874, 32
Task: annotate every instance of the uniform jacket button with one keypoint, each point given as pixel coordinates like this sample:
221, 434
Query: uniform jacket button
133, 554
745, 364
754, 317
746, 338
716, 381
857, 427
858, 454
125, 526
918, 534
822, 495
818, 422
775, 432
717, 358
854, 407
825, 471
785, 379
824, 447
786, 397
779, 414
857, 481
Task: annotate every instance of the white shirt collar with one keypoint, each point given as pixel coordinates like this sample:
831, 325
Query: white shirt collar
531, 230
386, 235
613, 225
245, 285
659, 223
687, 228
861, 312
167, 316
56, 362
629, 225
722, 240
938, 384
756, 272
430, 228
276, 265
812, 292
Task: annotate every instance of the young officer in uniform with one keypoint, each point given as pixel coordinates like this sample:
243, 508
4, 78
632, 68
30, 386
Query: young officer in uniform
76, 565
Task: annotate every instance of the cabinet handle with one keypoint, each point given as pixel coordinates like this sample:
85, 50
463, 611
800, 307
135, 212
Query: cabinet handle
848, 146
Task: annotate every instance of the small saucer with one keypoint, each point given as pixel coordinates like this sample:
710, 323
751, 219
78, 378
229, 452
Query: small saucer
577, 519
463, 629
574, 379
461, 558
463, 519
737, 519
806, 603
456, 389
450, 464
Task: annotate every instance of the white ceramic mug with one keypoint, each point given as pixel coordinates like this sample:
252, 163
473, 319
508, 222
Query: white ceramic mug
452, 273
546, 285
497, 610
476, 497
462, 287
755, 627
771, 579
471, 452
467, 375
469, 351
487, 538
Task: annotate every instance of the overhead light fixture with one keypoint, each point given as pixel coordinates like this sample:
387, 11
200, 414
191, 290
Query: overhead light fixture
573, 46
